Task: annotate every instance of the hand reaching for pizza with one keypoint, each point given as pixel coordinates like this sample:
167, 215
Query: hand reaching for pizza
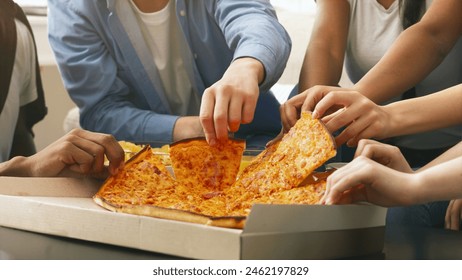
79, 152
339, 108
364, 179
305, 101
231, 101
387, 155
379, 174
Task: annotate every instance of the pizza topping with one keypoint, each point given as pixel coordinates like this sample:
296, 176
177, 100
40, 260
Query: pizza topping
196, 164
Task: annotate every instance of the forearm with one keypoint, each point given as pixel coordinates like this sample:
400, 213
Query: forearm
402, 66
126, 122
311, 74
415, 53
246, 26
323, 62
441, 109
18, 166
450, 154
441, 182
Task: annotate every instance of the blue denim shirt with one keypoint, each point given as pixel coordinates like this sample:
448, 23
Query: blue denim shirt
108, 70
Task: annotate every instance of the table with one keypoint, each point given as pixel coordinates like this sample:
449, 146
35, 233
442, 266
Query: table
401, 243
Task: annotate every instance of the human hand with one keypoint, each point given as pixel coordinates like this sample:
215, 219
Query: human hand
80, 152
453, 215
231, 101
306, 101
362, 118
364, 179
339, 108
387, 155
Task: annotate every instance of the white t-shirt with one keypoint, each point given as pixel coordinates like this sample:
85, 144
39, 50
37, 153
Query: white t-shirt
161, 32
22, 88
372, 31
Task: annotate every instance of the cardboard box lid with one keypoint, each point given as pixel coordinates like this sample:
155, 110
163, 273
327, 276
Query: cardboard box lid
303, 218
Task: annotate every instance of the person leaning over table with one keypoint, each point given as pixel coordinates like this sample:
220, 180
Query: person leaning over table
22, 102
390, 55
379, 174
75, 154
161, 71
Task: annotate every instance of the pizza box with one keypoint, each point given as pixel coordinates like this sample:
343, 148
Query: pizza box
64, 207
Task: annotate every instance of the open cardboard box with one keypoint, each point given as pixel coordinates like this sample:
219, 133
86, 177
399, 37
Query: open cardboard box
64, 207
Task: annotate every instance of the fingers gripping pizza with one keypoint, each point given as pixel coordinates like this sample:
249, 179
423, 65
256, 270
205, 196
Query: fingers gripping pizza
206, 187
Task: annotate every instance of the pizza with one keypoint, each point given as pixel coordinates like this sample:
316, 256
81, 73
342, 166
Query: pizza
144, 180
196, 164
284, 165
206, 186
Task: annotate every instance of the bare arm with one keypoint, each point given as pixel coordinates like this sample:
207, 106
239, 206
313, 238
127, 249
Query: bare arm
416, 52
450, 154
441, 182
433, 111
372, 177
324, 55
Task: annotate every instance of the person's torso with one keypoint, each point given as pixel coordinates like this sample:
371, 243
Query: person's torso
22, 89
372, 31
163, 37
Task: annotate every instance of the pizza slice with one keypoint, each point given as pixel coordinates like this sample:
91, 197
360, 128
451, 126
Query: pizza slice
304, 148
143, 181
198, 165
145, 187
308, 192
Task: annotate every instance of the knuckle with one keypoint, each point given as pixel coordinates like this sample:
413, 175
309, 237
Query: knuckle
395, 150
220, 117
75, 131
205, 118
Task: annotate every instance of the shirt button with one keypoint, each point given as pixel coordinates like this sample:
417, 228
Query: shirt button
182, 13
195, 56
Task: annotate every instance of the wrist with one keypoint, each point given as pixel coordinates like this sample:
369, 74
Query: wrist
18, 166
187, 127
394, 121
254, 66
418, 188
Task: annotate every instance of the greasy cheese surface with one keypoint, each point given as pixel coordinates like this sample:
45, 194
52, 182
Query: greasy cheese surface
205, 177
196, 164
145, 181
303, 149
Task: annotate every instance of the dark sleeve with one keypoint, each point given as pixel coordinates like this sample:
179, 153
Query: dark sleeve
7, 49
